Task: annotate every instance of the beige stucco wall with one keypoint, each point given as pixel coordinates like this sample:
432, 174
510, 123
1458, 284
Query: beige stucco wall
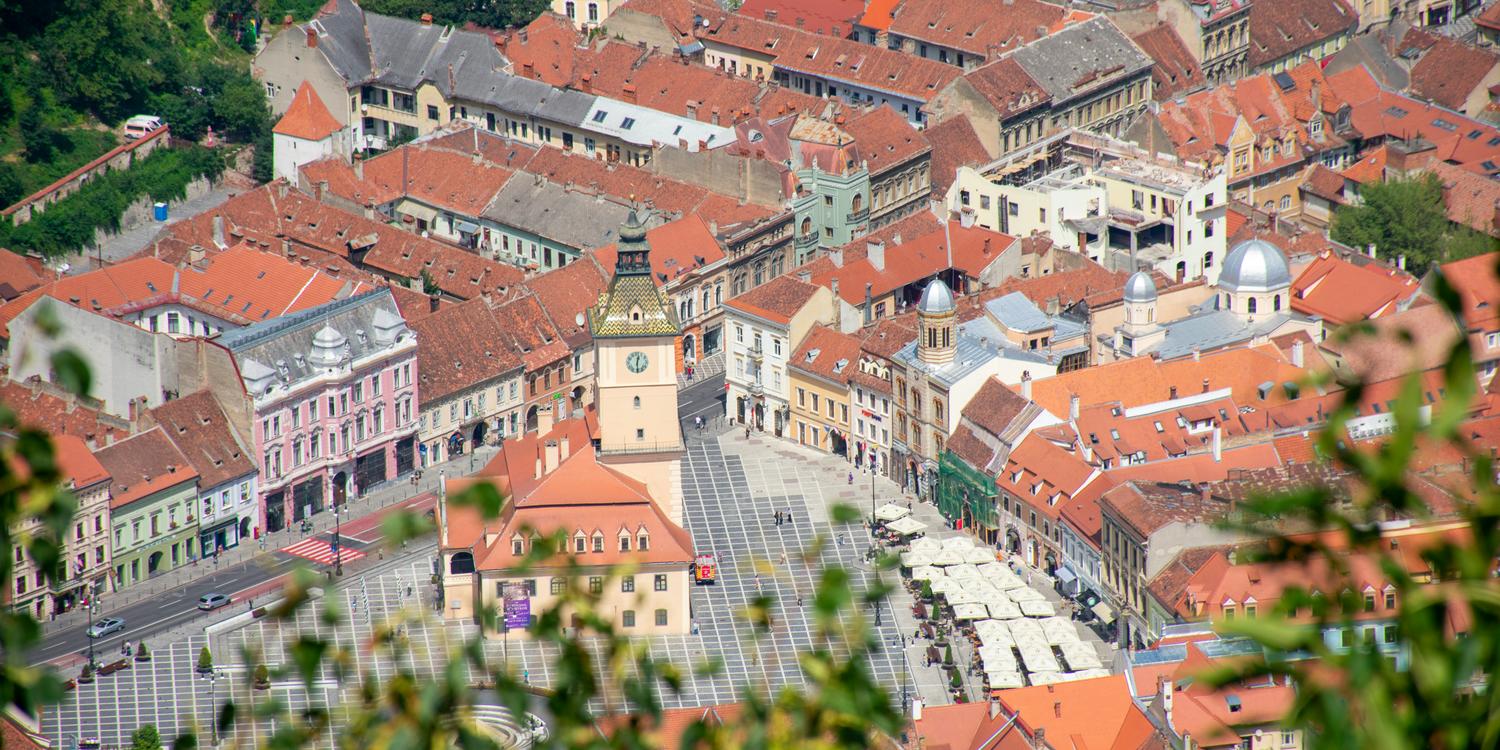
1170, 305
286, 61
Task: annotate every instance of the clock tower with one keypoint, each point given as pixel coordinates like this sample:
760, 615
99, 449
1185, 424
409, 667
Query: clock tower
635, 334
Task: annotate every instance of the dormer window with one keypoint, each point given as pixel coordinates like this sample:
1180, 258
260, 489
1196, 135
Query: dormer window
624, 541
518, 545
580, 542
1228, 608
598, 542
643, 542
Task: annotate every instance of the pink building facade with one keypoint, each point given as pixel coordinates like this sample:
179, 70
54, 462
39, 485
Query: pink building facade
335, 399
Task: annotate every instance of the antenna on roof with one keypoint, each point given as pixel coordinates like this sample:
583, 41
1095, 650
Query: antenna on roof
948, 239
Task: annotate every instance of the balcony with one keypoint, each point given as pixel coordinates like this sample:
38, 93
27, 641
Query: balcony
807, 241
757, 354
757, 389
858, 216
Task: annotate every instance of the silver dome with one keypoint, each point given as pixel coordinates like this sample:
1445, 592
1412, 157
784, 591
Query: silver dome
937, 299
1255, 266
1140, 288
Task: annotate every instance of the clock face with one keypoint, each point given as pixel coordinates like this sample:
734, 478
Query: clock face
636, 361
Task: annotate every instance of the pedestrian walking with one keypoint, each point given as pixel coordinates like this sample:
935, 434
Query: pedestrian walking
783, 558
747, 431
526, 676
789, 518
851, 477
799, 600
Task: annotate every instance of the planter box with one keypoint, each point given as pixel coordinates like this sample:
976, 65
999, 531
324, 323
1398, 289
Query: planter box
114, 666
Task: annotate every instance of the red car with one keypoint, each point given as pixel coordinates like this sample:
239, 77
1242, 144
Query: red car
705, 569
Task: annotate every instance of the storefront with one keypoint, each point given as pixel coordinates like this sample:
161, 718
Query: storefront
222, 536
370, 470
405, 458
275, 511
307, 497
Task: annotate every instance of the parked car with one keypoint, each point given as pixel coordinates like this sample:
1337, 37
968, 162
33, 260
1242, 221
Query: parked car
210, 602
105, 627
141, 126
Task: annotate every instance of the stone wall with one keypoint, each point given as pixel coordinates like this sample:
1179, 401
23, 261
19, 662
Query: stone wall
120, 157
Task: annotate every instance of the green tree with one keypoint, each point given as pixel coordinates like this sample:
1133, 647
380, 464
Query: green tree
205, 660
12, 188
40, 138
105, 56
1400, 217
146, 737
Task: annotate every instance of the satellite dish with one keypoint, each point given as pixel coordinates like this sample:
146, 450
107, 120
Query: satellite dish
578, 319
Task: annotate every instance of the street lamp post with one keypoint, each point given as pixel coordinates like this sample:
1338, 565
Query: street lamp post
213, 713
93, 612
338, 539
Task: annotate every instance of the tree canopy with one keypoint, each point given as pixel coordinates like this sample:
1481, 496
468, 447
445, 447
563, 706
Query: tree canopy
1406, 217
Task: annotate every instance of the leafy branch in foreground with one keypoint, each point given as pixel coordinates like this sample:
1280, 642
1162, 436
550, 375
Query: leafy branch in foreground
1436, 694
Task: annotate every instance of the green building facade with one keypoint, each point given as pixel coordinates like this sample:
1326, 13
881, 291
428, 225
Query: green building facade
967, 495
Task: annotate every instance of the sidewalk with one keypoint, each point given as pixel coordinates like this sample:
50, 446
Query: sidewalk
705, 368
382, 497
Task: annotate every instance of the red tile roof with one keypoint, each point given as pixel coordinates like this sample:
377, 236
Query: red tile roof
1490, 18
994, 406
885, 138
917, 257
567, 292
143, 464
18, 275
1044, 475
839, 59
1413, 340
76, 462
776, 300
1341, 291
969, 726
831, 17
460, 346
1324, 183
1448, 71
1472, 200
1007, 87
197, 425
1099, 713
980, 28
879, 14
827, 353
1478, 285
543, 50
36, 405
1148, 506
1283, 27
671, 729
1175, 70
677, 247
1370, 167
954, 144
1377, 113
307, 117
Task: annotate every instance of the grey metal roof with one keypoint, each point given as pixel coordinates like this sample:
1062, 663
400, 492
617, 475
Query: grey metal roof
1254, 266
1216, 329
294, 347
1016, 312
372, 48
1140, 288
979, 342
1059, 62
550, 210
937, 299
523, 95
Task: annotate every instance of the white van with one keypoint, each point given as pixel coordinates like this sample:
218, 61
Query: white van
141, 126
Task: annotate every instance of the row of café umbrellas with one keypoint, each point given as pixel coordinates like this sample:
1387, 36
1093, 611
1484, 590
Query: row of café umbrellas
898, 519
1038, 643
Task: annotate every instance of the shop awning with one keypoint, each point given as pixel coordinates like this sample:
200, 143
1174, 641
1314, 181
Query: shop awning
1105, 614
466, 226
906, 526
891, 512
416, 210
1065, 575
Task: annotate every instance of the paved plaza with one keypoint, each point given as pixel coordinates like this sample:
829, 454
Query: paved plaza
731, 491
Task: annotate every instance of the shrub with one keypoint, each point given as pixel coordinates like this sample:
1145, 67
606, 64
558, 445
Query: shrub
948, 654
141, 652
86, 675
262, 677
205, 660
954, 679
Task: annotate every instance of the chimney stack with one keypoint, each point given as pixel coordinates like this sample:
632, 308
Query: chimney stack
551, 454
1205, 385
219, 232
1218, 444
427, 19
1026, 385
869, 303
564, 450
628, 93
966, 218
432, 303
1073, 402
875, 252
544, 419
1297, 357
1172, 392
312, 38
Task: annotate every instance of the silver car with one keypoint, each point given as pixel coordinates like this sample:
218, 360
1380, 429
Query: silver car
105, 627
209, 602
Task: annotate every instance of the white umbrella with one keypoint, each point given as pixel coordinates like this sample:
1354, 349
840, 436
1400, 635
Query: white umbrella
915, 559
964, 570
994, 653
1025, 595
960, 543
979, 556
945, 585
1037, 609
1005, 680
1006, 610
906, 526
999, 638
1080, 656
1004, 578
926, 544
926, 573
1059, 630
1089, 674
947, 556
960, 596
1039, 659
963, 611
984, 627
1044, 678
891, 512
992, 568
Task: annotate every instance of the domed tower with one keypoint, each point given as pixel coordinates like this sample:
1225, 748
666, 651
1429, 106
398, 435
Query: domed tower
1255, 279
936, 316
1140, 301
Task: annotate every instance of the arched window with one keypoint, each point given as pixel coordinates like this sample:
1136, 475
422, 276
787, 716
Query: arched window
1250, 305
707, 300
559, 584
1276, 303
461, 562
806, 226
1208, 260
636, 402
718, 294
859, 202
572, 9
689, 306
593, 12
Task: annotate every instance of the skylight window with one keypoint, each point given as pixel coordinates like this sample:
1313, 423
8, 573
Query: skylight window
628, 123
600, 115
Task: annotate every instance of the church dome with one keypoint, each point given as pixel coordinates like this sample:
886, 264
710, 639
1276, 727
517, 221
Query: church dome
1140, 288
1255, 266
937, 299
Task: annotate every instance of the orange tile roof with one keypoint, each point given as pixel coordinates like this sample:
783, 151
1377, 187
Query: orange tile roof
878, 14
1376, 112
36, 405
1472, 200
831, 17
459, 347
980, 28
1448, 70
1045, 471
677, 247
1344, 292
143, 464
671, 729
17, 274
1174, 68
821, 352
916, 258
76, 463
954, 144
1100, 714
1412, 340
776, 300
543, 50
1201, 467
567, 292
1370, 167
969, 726
307, 117
199, 428
1281, 28
1477, 281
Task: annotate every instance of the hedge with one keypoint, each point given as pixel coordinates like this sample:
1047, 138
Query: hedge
68, 225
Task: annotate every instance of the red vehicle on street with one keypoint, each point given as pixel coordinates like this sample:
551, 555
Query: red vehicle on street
705, 569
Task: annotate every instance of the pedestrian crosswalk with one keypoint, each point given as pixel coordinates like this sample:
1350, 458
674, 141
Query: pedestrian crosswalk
320, 551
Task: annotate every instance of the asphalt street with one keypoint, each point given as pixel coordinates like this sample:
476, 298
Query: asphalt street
702, 399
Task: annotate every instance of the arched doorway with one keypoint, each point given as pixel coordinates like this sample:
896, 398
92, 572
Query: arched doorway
739, 409
689, 349
531, 419
578, 397
1012, 541
760, 416
477, 437
153, 563
1050, 562
837, 444
244, 528
340, 487
455, 444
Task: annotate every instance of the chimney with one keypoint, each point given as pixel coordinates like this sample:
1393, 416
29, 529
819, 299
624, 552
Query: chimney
538, 474
427, 20
994, 708
986, 247
1297, 353
628, 93
1166, 690
1057, 709
1205, 385
713, 117
544, 419
564, 450
1401, 259
219, 232
1372, 251
875, 252
195, 254
1026, 385
1073, 407
1218, 444
966, 218
312, 38
432, 303
838, 303
1172, 393
1197, 354
770, 14
359, 167
585, 83
804, 276
869, 303
551, 455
